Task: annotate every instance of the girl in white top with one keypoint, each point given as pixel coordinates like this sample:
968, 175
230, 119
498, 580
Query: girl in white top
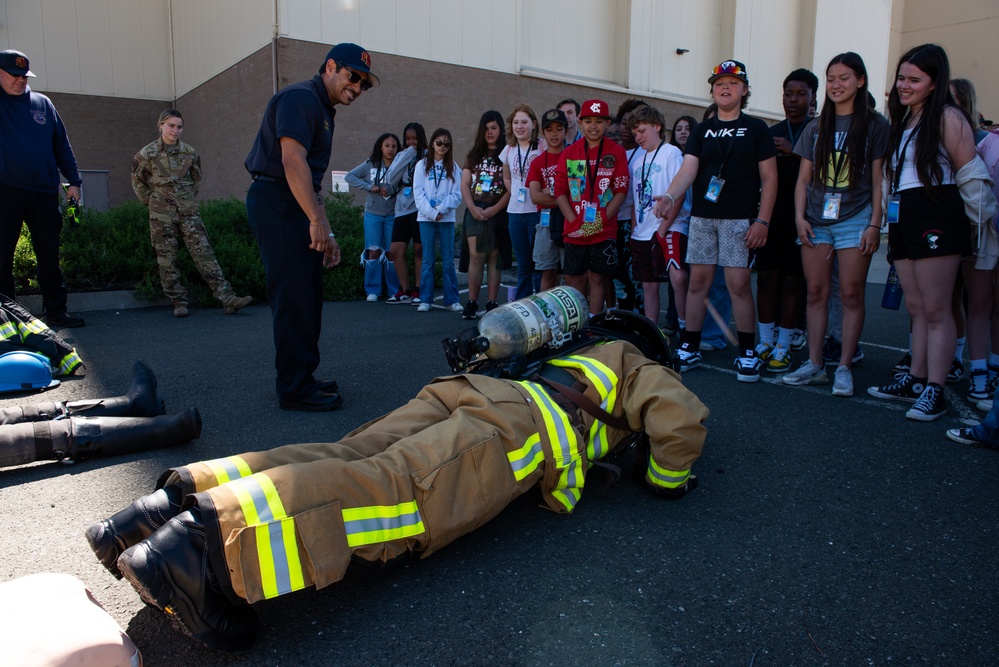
930, 138
522, 214
437, 191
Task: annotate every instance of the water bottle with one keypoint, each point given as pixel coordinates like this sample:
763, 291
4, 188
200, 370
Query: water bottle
520, 327
892, 298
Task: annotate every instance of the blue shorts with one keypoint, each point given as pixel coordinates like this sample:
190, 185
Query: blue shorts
845, 233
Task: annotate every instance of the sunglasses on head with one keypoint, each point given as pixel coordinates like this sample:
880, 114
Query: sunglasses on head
354, 77
727, 68
441, 144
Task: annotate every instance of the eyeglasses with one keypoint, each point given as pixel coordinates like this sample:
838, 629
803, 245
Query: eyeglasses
354, 77
442, 144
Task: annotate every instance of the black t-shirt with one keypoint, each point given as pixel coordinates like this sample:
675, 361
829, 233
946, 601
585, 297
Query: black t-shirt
303, 112
735, 148
788, 165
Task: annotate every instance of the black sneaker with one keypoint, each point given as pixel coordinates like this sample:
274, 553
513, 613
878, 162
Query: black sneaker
832, 350
491, 305
172, 571
977, 389
470, 310
906, 388
904, 364
956, 372
993, 382
930, 406
64, 319
747, 367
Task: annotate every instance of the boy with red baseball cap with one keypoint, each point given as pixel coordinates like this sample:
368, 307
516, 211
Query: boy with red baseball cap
591, 183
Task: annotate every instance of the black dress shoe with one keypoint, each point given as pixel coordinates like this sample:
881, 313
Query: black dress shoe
317, 401
172, 571
111, 537
64, 319
329, 386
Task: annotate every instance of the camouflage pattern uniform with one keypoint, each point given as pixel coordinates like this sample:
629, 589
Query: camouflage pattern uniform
166, 179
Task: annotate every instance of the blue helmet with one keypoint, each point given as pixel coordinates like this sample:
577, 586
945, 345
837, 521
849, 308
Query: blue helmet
25, 371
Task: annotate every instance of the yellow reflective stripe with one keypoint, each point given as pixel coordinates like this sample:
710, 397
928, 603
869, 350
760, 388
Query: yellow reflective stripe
277, 549
605, 381
69, 362
668, 479
228, 469
33, 326
7, 330
526, 460
381, 523
565, 446
561, 435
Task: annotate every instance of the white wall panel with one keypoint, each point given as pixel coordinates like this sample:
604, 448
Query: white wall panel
445, 31
586, 39
62, 45
25, 34
767, 58
412, 34
684, 25
837, 30
94, 28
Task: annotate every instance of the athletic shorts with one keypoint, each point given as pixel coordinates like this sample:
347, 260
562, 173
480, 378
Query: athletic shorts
596, 257
718, 241
781, 253
406, 229
547, 255
930, 226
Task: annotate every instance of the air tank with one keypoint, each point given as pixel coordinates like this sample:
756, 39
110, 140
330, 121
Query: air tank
522, 326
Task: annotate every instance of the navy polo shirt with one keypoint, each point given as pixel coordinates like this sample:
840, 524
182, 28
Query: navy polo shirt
303, 112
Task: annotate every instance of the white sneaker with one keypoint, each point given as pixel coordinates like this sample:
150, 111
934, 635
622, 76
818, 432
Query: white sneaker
842, 382
984, 406
806, 374
456, 307
372, 298
423, 308
798, 339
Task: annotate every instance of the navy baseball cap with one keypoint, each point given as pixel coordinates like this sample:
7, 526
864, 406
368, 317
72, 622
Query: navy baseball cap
14, 63
351, 56
729, 68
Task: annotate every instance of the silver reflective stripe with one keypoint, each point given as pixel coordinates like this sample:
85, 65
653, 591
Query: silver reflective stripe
274, 529
556, 414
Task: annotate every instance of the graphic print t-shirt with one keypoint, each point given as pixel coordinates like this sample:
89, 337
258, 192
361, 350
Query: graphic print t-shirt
487, 180
542, 170
574, 179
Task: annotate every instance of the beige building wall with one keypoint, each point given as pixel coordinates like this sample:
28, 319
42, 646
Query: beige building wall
969, 30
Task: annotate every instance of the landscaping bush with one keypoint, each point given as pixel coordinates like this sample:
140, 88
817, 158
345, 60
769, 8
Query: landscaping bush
111, 250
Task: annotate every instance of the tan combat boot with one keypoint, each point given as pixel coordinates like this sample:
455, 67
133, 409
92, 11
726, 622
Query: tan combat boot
179, 309
234, 304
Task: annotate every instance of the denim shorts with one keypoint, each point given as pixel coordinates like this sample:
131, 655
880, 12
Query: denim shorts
845, 233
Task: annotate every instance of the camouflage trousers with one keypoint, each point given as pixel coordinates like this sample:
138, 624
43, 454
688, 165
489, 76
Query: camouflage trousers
166, 230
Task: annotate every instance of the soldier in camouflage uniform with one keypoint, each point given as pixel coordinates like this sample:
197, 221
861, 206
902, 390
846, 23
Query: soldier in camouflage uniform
165, 177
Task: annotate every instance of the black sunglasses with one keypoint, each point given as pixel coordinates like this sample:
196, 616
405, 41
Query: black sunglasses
354, 77
441, 144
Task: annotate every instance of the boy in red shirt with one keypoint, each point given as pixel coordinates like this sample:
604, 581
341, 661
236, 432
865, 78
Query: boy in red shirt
591, 183
541, 182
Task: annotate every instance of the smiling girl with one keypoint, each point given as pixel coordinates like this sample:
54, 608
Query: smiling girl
522, 214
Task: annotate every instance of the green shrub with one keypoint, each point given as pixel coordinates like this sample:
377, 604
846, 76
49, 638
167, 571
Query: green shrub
111, 250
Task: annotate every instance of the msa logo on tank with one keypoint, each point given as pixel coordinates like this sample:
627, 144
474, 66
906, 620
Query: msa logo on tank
727, 132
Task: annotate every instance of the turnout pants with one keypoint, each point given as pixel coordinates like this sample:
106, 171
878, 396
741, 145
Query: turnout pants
411, 481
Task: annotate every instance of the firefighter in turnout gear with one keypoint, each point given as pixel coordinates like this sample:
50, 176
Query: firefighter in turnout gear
264, 524
165, 176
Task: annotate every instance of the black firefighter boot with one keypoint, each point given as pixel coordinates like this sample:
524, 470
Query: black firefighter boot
173, 571
126, 528
139, 401
78, 438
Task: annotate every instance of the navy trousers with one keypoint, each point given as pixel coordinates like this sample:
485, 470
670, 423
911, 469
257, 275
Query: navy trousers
40, 211
294, 284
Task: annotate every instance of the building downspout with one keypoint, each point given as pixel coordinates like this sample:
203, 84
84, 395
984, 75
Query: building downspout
274, 57
173, 69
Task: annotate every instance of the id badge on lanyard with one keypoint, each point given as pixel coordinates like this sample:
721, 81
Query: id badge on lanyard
892, 213
522, 195
830, 206
714, 189
589, 212
546, 217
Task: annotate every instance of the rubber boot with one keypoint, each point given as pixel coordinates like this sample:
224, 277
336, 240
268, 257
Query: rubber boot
172, 570
77, 438
140, 401
112, 536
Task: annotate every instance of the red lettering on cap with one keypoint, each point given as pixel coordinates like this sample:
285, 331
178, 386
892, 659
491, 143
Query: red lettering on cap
365, 58
20, 61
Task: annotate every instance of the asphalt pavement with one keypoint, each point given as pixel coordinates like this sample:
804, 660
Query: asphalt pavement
826, 531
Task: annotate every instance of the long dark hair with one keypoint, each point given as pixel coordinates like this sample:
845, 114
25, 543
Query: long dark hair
376, 152
428, 161
856, 142
480, 149
932, 60
691, 123
421, 138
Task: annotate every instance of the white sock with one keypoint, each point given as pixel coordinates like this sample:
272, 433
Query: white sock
959, 348
681, 324
784, 337
767, 333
